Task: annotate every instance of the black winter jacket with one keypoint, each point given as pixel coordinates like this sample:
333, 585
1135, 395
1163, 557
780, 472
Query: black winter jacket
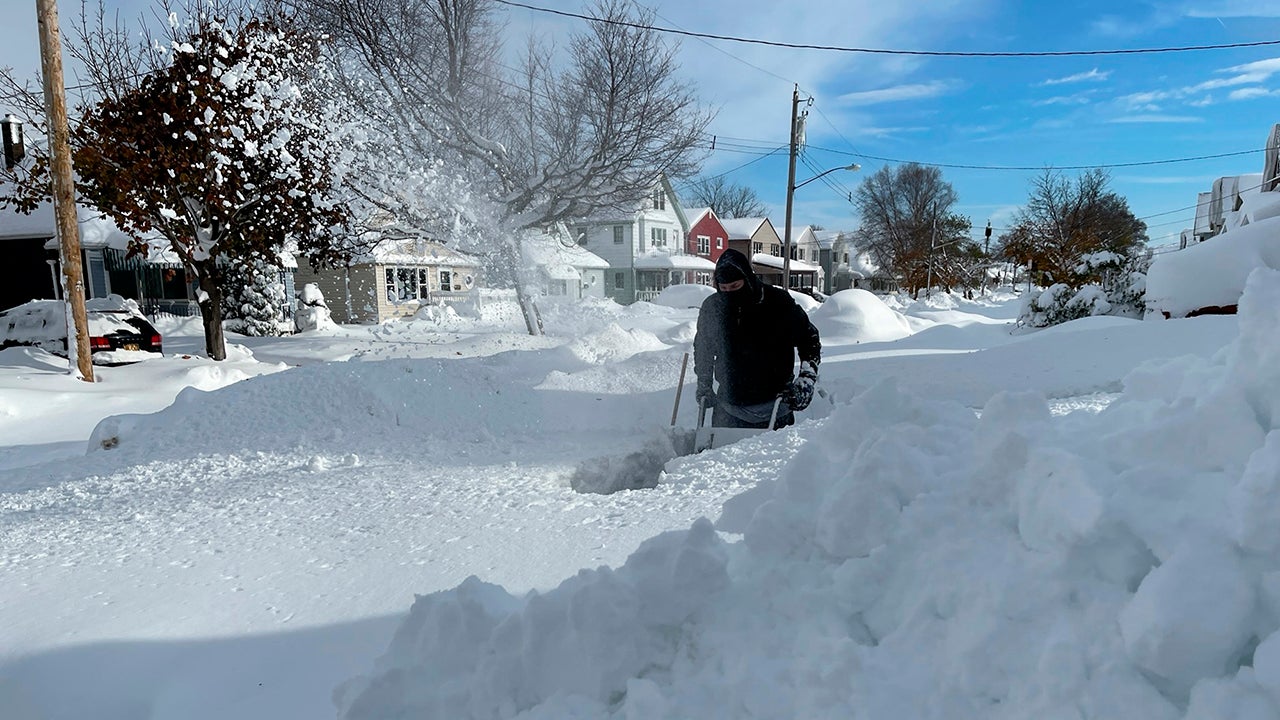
749, 345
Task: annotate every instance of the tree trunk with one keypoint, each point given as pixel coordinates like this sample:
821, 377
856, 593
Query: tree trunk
511, 256
210, 301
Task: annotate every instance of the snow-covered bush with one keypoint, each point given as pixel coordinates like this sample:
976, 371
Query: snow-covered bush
313, 312
1105, 283
254, 299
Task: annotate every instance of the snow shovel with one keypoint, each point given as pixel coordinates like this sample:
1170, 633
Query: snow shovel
707, 437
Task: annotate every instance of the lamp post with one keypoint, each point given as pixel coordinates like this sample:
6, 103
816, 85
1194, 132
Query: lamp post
792, 186
14, 147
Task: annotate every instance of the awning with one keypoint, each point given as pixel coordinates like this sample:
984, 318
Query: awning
774, 261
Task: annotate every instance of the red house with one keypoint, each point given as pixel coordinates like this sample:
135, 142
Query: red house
707, 238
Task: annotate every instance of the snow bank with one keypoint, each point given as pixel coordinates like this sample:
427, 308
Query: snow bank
688, 295
852, 316
914, 560
1212, 273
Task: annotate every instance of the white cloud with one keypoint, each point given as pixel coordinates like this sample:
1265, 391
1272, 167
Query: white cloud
1081, 99
899, 93
1092, 76
1251, 93
1233, 8
1156, 118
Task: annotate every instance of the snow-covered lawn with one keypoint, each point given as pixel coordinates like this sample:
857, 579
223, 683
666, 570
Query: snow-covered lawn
197, 540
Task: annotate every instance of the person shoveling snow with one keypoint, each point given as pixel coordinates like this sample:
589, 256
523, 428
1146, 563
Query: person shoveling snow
749, 335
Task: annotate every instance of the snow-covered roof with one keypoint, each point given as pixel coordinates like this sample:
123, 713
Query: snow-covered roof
416, 251
695, 214
539, 249
827, 238
774, 261
666, 261
16, 225
742, 228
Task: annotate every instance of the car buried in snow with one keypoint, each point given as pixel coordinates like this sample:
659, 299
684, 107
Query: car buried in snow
118, 332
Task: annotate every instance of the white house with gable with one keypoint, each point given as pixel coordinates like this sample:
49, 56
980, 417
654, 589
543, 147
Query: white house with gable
561, 268
645, 248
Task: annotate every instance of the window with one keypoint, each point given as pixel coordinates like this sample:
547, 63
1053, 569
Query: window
846, 258
659, 199
446, 280
406, 284
704, 245
800, 254
617, 234
793, 252
619, 280
775, 250
720, 243
658, 236
757, 248
702, 278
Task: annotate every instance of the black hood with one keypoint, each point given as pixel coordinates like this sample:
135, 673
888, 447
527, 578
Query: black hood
733, 259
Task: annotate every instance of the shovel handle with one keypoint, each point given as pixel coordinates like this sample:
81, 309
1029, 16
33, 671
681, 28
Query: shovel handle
684, 364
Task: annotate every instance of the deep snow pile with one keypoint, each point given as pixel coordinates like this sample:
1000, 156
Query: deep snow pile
916, 561
852, 316
1212, 273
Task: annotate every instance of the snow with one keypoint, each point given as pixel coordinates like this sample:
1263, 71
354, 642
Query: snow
372, 522
1212, 273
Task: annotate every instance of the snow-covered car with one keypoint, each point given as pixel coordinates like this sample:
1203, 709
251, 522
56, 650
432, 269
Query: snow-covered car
118, 332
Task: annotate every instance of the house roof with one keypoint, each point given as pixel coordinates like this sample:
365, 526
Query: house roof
742, 228
415, 251
14, 224
667, 261
695, 215
549, 252
774, 261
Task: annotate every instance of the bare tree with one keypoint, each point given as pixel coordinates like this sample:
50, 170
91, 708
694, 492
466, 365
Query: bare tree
536, 145
1065, 220
728, 200
908, 222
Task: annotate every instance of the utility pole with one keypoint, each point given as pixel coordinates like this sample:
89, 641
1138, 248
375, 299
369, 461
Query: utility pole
933, 243
986, 257
791, 189
64, 201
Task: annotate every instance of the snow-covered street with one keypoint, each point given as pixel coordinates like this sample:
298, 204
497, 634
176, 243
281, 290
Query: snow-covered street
187, 539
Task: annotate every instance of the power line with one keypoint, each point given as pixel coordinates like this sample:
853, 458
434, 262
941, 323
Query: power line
885, 51
1023, 168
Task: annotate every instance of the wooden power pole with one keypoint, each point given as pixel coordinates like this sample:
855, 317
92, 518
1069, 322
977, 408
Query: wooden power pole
64, 195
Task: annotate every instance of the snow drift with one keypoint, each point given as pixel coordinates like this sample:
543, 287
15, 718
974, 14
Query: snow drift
851, 316
914, 560
1212, 273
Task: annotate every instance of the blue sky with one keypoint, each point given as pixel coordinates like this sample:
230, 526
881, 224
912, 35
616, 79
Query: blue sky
1058, 111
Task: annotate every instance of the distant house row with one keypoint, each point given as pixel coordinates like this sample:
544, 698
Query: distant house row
1234, 200
627, 256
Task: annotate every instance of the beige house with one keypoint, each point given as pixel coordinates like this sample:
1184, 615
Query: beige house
395, 280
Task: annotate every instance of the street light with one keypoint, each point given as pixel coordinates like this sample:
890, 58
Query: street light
14, 148
792, 185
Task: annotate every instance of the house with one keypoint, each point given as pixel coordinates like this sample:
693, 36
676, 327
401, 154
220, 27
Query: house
833, 256
29, 273
806, 270
708, 239
645, 248
156, 279
757, 239
395, 279
1271, 166
562, 268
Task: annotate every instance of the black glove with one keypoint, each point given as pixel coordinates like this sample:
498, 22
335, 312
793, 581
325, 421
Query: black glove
800, 392
706, 396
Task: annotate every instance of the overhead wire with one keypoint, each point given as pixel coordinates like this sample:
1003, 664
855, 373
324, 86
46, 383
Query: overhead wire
888, 51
